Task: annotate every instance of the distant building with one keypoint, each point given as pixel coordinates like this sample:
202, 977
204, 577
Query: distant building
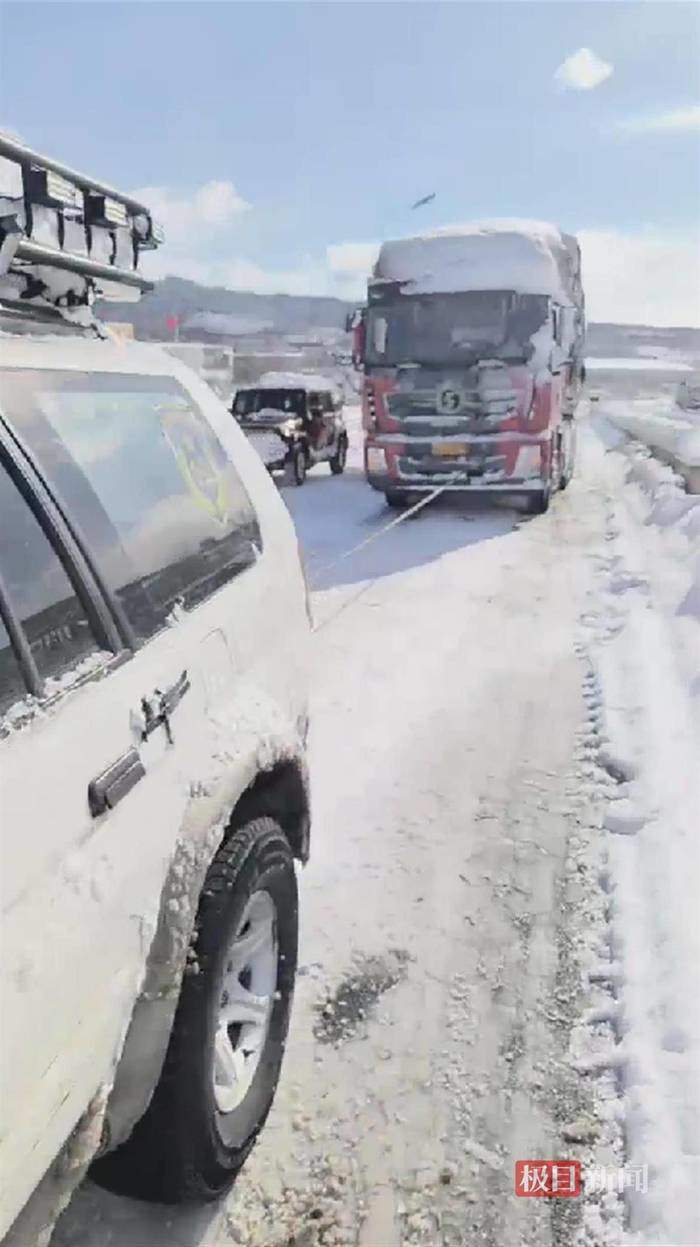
221, 327
214, 363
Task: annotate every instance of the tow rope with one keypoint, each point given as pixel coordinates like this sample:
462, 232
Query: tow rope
399, 519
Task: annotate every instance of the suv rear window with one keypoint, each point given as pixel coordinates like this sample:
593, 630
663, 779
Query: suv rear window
139, 471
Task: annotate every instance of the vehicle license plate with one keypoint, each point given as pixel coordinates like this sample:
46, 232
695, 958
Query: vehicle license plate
450, 450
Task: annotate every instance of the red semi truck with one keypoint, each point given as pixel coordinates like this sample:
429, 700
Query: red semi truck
472, 343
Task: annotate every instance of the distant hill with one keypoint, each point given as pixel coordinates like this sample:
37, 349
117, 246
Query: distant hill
173, 296
676, 343
288, 313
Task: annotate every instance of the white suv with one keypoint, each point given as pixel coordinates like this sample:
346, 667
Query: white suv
153, 648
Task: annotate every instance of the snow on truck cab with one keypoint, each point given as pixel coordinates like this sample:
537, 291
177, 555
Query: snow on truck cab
473, 357
153, 643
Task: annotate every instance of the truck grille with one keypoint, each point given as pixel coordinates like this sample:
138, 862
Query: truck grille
436, 468
488, 400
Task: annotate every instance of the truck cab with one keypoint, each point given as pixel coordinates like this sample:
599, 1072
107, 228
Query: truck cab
473, 361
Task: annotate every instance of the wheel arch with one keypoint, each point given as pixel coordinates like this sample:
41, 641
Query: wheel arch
280, 792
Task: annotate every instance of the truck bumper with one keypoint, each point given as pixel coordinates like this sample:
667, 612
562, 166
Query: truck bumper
513, 463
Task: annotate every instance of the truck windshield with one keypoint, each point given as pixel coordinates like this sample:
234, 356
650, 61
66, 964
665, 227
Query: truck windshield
249, 402
451, 328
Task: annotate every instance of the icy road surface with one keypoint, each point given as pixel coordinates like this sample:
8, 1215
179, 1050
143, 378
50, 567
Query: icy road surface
457, 897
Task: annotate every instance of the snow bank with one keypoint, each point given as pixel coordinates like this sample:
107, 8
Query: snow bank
624, 363
671, 431
645, 649
529, 257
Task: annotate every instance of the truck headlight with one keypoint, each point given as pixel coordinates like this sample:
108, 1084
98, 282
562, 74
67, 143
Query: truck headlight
528, 463
376, 459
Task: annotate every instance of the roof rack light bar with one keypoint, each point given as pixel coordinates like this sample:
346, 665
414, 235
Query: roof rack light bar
58, 219
51, 257
13, 150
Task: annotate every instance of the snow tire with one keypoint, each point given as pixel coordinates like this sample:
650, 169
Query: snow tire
337, 463
184, 1148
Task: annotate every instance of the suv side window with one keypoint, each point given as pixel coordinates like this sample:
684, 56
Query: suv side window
12, 686
139, 468
40, 595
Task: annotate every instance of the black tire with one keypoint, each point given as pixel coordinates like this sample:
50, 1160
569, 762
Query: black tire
295, 470
538, 501
184, 1148
569, 464
339, 459
396, 498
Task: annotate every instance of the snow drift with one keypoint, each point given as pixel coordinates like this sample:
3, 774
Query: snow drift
668, 429
645, 650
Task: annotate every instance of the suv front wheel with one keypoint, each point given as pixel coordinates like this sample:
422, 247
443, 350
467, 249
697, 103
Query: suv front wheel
227, 1043
295, 473
339, 459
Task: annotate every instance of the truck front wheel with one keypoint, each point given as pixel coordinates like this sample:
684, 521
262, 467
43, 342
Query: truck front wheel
396, 498
339, 459
569, 464
230, 1029
537, 502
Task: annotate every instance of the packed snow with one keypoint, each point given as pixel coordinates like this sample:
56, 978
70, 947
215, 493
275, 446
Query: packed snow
634, 364
500, 923
664, 426
644, 646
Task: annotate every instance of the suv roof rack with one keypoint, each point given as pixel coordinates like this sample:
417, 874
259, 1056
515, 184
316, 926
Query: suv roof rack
67, 239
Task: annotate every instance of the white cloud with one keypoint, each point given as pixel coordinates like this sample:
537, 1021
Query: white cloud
674, 121
647, 277
582, 71
644, 279
237, 272
215, 204
350, 259
349, 264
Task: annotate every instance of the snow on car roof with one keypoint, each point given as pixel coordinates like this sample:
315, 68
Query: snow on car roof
39, 351
529, 257
292, 381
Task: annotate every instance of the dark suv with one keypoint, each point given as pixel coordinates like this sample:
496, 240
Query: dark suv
294, 422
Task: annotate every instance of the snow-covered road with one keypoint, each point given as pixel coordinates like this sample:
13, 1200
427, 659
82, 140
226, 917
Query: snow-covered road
458, 895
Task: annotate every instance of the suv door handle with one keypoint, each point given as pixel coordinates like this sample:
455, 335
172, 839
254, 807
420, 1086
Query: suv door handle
158, 708
107, 788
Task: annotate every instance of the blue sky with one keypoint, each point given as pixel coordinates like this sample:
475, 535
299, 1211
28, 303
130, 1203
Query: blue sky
272, 134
